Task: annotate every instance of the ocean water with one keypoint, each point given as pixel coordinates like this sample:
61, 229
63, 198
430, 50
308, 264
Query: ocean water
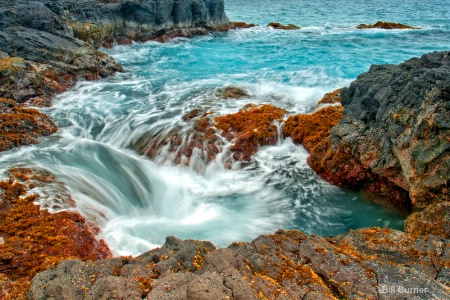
137, 201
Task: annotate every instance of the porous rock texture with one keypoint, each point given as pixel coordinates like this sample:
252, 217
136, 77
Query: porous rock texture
397, 124
284, 265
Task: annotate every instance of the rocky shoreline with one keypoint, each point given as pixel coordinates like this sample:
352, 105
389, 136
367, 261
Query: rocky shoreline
388, 132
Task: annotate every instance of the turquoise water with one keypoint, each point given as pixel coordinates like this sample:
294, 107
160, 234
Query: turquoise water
137, 201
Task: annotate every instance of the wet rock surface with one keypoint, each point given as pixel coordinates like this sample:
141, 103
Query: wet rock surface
385, 25
284, 265
20, 125
33, 240
276, 25
204, 134
237, 135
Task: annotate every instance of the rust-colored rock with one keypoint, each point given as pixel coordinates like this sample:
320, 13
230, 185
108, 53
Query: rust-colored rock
240, 25
385, 25
435, 219
276, 25
253, 126
331, 98
336, 166
310, 129
22, 126
36, 83
34, 240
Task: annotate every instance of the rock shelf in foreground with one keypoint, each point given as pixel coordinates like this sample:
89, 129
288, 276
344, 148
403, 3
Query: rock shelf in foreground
284, 265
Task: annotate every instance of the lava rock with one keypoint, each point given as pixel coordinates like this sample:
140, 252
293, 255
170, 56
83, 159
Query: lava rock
284, 265
397, 124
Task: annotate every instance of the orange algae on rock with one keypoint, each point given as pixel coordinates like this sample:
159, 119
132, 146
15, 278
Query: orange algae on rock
310, 129
337, 166
252, 126
331, 98
34, 240
22, 126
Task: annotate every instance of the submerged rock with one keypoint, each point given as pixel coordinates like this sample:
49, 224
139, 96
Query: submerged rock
284, 265
34, 240
206, 135
276, 25
385, 25
232, 92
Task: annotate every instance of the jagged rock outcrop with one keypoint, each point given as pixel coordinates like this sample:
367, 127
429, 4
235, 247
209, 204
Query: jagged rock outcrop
397, 124
62, 37
285, 265
337, 167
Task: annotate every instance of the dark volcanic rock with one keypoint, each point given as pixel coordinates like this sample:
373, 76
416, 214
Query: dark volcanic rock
53, 34
397, 124
285, 265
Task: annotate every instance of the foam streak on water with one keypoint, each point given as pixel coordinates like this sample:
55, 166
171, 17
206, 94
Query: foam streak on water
136, 201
